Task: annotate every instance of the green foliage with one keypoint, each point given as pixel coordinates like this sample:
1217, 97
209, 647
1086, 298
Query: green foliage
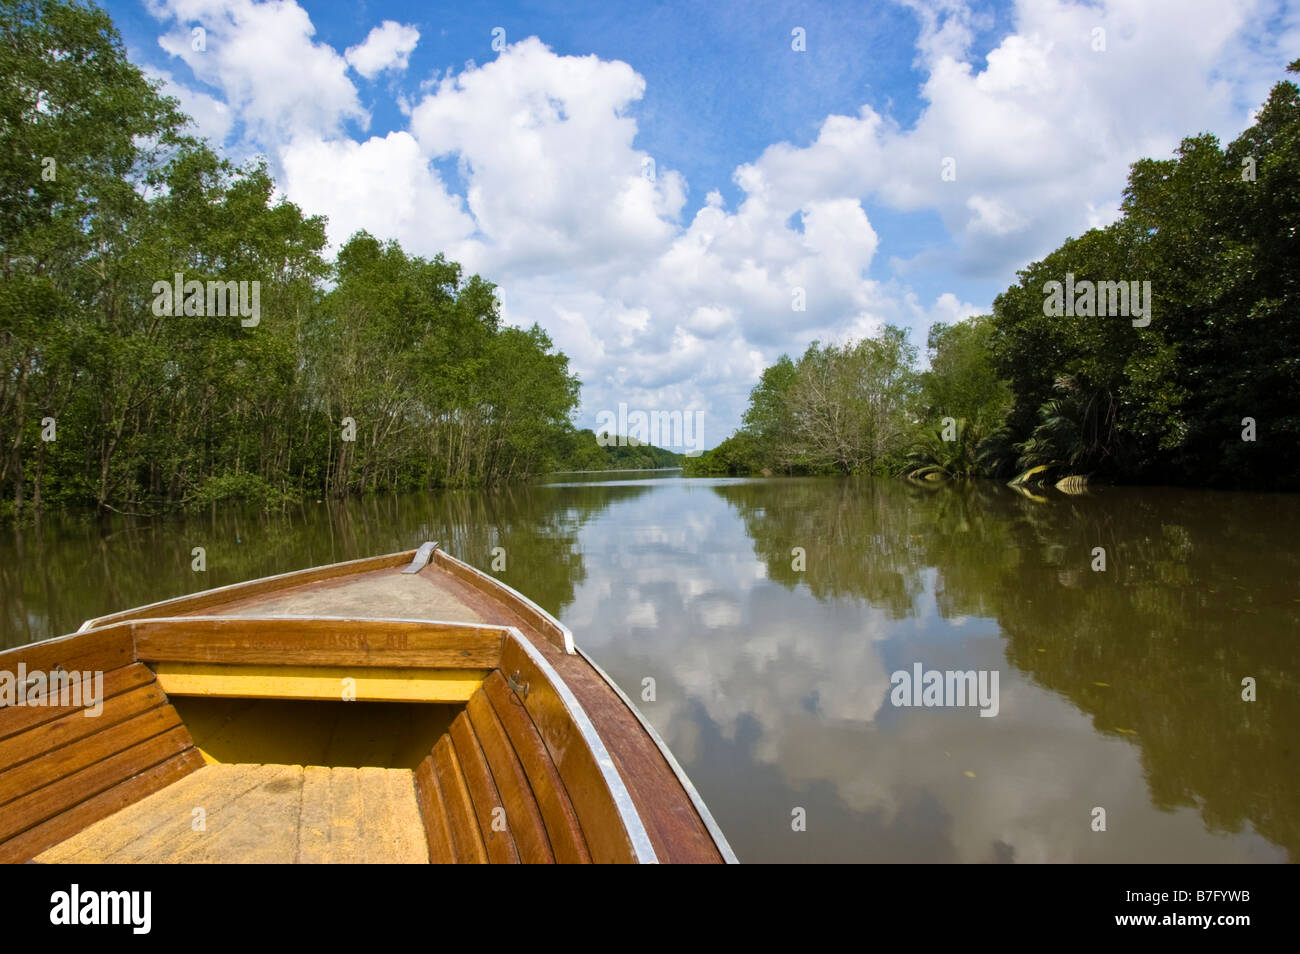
103, 193
949, 450
852, 405
736, 456
155, 410
441, 394
1214, 231
768, 423
582, 450
839, 409
961, 381
1075, 432
245, 487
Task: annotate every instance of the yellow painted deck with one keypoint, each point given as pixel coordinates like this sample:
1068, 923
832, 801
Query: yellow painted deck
270, 814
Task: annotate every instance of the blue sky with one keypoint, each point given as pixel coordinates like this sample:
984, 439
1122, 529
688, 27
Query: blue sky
774, 168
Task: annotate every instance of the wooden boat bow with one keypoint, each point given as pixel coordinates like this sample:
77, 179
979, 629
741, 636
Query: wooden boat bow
503, 741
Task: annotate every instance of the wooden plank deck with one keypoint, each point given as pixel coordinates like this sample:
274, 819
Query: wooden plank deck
270, 814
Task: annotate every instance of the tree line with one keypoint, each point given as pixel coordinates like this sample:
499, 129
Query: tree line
584, 451
379, 370
1195, 382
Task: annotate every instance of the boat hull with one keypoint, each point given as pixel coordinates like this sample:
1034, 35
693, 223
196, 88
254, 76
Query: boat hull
520, 748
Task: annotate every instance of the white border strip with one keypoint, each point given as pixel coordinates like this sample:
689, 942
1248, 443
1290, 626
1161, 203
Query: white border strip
641, 846
719, 839
454, 623
567, 635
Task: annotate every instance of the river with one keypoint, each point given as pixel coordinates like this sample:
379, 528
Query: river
771, 616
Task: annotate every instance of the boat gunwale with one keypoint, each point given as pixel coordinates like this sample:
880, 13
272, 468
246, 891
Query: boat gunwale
66, 637
566, 635
633, 824
715, 831
314, 574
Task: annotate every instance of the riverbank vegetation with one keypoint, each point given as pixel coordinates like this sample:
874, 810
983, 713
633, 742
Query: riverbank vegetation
378, 370
583, 451
1202, 390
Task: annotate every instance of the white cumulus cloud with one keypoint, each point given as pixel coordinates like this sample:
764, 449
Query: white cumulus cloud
387, 47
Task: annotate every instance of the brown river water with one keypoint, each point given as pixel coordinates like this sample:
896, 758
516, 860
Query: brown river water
778, 618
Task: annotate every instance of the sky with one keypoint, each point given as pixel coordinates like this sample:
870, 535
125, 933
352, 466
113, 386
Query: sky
660, 186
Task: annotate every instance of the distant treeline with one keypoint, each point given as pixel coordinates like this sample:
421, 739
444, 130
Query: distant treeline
1196, 382
582, 451
378, 371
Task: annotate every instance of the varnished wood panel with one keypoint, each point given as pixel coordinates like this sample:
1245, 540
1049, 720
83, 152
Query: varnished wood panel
318, 642
57, 763
59, 796
522, 814
434, 813
97, 651
564, 833
465, 836
16, 719
35, 840
77, 725
500, 593
369, 683
483, 795
602, 823
676, 830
